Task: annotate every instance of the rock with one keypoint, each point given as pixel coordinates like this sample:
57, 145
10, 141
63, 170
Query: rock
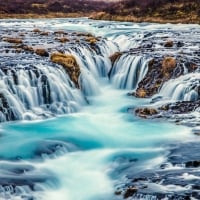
115, 57
13, 40
60, 32
160, 70
27, 48
169, 43
130, 192
36, 30
70, 65
146, 112
92, 40
63, 39
44, 33
193, 164
42, 52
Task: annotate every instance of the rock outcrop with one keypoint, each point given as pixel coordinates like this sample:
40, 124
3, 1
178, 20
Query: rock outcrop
70, 65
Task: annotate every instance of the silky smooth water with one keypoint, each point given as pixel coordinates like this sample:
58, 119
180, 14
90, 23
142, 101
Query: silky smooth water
85, 155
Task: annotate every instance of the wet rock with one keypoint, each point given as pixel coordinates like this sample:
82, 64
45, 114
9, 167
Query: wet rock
115, 57
70, 65
91, 40
63, 39
27, 48
36, 30
130, 192
169, 43
146, 112
160, 70
13, 40
193, 164
44, 33
42, 52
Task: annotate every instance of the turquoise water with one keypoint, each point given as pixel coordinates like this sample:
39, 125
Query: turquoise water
97, 144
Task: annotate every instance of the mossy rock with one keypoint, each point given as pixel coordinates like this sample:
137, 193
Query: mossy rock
42, 52
169, 43
13, 40
63, 39
146, 112
69, 63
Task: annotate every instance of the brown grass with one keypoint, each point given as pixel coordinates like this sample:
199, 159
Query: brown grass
67, 61
70, 65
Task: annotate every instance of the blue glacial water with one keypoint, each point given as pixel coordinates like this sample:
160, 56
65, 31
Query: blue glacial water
85, 155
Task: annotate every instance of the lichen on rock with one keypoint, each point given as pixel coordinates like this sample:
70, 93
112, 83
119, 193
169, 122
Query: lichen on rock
70, 64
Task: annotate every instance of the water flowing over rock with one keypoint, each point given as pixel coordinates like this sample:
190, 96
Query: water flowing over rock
75, 65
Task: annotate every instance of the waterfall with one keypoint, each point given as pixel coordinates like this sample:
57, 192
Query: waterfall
184, 88
128, 71
36, 91
94, 64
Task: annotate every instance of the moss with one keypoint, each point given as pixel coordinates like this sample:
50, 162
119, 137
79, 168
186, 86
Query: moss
70, 65
168, 65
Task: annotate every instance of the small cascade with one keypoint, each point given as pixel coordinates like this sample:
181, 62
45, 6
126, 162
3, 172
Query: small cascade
184, 88
94, 64
36, 91
128, 71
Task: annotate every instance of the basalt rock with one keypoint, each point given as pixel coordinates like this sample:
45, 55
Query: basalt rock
70, 65
161, 70
169, 109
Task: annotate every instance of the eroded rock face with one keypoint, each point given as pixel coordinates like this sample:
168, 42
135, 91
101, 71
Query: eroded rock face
70, 65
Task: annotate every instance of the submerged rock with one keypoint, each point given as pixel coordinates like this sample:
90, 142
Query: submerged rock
70, 65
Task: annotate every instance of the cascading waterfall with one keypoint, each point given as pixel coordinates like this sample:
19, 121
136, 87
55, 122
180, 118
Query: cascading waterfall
86, 155
37, 91
128, 71
184, 88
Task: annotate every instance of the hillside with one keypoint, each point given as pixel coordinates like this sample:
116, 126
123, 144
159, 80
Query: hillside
122, 10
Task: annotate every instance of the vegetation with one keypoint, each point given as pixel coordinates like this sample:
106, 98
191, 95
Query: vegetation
187, 11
